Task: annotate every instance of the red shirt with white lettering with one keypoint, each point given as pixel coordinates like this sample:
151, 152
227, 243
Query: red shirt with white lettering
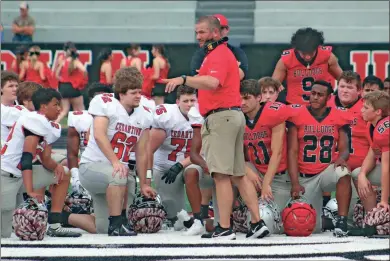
221, 64
301, 75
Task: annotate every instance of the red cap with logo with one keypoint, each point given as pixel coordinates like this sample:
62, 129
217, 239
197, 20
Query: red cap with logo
222, 20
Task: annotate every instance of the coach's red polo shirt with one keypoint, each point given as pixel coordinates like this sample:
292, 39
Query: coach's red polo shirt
221, 64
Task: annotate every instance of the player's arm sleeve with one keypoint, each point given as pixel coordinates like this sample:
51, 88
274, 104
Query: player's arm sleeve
243, 59
70, 119
103, 105
197, 60
35, 125
196, 120
162, 118
384, 140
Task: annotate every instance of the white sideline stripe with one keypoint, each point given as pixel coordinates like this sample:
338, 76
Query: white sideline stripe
192, 251
377, 258
333, 258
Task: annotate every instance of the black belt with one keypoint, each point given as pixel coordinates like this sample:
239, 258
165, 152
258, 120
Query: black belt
222, 109
281, 173
12, 176
303, 175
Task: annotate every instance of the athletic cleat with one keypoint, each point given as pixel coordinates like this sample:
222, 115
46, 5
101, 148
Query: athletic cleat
196, 229
61, 232
221, 233
181, 217
341, 229
258, 230
121, 231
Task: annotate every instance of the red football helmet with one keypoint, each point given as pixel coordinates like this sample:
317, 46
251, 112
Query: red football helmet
299, 218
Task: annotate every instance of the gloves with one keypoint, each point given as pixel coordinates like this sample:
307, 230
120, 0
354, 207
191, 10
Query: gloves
171, 174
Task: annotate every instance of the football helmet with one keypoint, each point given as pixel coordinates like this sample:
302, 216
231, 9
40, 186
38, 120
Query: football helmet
330, 214
239, 218
79, 202
270, 214
146, 215
299, 218
30, 220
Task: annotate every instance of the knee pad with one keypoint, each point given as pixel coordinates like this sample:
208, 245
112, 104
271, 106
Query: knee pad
341, 172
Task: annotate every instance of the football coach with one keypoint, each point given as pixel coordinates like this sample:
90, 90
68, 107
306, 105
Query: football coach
218, 84
197, 58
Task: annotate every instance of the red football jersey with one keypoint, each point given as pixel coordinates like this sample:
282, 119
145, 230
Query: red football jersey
301, 75
317, 138
379, 136
258, 135
357, 134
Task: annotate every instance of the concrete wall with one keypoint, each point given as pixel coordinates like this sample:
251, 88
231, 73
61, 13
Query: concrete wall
341, 21
107, 21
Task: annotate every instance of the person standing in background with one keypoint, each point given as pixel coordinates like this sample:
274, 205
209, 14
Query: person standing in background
21, 54
132, 58
23, 26
199, 55
32, 70
160, 71
71, 74
106, 74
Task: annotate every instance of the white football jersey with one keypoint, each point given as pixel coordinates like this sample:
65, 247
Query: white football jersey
81, 121
123, 130
195, 118
145, 101
9, 115
179, 132
11, 153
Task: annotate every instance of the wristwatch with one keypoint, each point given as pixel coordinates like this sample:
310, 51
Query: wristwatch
184, 79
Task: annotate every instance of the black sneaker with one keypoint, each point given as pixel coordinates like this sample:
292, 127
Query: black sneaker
121, 231
257, 230
221, 233
341, 228
61, 232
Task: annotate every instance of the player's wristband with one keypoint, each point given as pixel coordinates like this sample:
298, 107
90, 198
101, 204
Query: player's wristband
149, 174
75, 173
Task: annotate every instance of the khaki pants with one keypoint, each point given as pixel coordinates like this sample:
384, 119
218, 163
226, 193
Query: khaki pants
96, 177
12, 190
223, 142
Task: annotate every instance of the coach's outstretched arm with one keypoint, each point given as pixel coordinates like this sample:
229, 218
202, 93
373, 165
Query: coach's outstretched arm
293, 171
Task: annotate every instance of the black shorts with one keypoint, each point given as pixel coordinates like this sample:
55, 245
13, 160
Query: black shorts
67, 91
159, 90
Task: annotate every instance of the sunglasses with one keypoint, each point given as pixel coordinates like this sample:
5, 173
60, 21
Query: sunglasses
36, 53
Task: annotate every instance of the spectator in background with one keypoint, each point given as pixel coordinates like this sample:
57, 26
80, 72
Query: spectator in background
269, 89
23, 26
71, 75
106, 73
21, 54
386, 85
132, 58
160, 71
197, 58
32, 69
372, 83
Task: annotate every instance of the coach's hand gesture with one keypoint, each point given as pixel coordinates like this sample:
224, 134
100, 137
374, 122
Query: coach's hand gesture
171, 84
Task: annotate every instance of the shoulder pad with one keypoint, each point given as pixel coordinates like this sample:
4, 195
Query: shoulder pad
54, 134
10, 114
162, 116
103, 105
36, 123
195, 118
72, 115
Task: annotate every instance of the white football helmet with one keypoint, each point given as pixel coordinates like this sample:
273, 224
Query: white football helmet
331, 210
270, 213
